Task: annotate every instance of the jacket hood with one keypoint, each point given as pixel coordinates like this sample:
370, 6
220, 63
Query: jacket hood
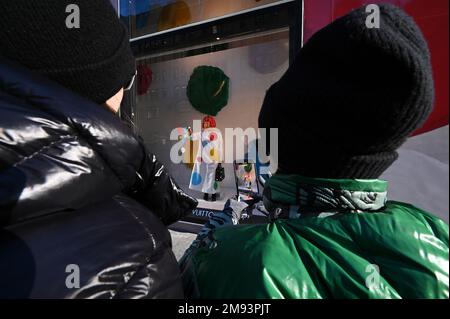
58, 150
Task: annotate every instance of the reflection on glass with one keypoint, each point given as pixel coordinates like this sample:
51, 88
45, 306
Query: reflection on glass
151, 16
246, 178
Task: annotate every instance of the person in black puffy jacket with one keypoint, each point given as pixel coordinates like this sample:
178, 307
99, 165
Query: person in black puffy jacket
83, 204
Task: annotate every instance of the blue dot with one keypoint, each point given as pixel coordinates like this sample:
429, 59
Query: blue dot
196, 179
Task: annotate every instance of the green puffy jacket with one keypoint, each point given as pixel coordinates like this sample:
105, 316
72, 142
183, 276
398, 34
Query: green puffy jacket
332, 239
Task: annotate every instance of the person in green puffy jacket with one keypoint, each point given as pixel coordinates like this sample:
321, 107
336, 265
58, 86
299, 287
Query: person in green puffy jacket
352, 97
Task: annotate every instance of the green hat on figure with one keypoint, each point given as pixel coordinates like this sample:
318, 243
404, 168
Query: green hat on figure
208, 90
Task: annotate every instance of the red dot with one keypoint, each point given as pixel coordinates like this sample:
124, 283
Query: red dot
213, 137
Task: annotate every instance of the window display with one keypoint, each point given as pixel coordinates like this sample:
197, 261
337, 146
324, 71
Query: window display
166, 104
194, 85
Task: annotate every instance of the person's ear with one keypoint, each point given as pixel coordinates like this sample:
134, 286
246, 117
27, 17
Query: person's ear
113, 104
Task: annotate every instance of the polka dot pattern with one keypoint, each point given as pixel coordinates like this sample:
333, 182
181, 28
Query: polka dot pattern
196, 179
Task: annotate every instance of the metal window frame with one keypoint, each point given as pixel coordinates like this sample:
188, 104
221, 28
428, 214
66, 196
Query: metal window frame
199, 23
295, 25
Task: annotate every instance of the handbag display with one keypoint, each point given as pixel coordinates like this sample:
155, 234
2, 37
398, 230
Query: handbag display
220, 173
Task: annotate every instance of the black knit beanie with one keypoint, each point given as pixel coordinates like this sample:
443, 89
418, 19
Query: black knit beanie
94, 61
352, 97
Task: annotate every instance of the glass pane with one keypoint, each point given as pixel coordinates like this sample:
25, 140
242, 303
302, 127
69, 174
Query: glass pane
151, 16
253, 63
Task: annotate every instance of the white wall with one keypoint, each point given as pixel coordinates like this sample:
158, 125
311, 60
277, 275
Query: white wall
421, 174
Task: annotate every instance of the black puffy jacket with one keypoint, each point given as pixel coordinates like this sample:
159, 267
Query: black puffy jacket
82, 204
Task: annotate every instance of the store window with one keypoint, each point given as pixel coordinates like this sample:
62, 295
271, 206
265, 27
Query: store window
251, 63
252, 50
